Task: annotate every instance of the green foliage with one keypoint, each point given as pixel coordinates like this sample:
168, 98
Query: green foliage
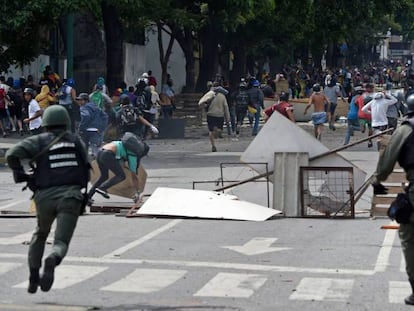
265, 27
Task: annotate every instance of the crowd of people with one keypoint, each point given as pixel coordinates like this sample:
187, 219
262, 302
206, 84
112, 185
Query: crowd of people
322, 89
97, 115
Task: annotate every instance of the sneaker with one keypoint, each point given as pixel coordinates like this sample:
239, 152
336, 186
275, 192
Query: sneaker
46, 281
213, 149
103, 193
409, 300
370, 144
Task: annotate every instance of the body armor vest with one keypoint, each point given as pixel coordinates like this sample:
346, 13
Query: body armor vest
406, 157
62, 164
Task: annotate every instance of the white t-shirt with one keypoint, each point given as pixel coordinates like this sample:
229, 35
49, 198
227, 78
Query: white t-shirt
33, 108
378, 108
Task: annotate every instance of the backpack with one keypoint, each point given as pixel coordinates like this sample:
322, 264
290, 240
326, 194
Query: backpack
242, 100
97, 98
134, 145
143, 101
367, 99
2, 99
128, 115
140, 101
61, 93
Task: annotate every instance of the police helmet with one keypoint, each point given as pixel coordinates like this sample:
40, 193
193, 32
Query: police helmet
28, 90
316, 87
56, 115
409, 101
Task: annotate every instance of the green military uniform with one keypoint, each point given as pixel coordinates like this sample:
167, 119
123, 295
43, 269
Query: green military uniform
385, 166
58, 192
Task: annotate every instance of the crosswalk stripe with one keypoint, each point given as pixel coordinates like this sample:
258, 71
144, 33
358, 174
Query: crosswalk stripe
232, 285
402, 264
68, 275
146, 281
323, 289
385, 251
398, 291
17, 239
8, 266
24, 238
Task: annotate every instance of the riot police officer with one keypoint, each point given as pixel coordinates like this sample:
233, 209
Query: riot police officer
401, 148
60, 171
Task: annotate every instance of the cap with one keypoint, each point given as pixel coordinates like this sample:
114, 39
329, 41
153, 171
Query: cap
83, 96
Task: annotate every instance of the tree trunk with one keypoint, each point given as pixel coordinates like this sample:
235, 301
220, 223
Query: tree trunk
208, 59
188, 49
164, 58
239, 65
114, 45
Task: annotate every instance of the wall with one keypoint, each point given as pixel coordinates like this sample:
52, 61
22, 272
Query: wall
176, 65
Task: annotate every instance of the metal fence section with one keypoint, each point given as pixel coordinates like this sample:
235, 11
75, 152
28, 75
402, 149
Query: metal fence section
327, 192
233, 172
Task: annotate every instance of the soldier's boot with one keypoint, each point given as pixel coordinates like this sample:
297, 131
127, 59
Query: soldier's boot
48, 276
410, 299
33, 280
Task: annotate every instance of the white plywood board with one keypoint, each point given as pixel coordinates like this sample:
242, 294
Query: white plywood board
202, 204
281, 135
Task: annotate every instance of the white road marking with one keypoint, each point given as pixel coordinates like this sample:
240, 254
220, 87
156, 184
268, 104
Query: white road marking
398, 291
13, 204
385, 251
257, 246
8, 266
205, 264
402, 264
323, 289
232, 285
68, 275
17, 239
146, 281
144, 239
24, 237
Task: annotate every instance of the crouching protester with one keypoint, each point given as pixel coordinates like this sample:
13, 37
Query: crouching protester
60, 171
401, 149
112, 157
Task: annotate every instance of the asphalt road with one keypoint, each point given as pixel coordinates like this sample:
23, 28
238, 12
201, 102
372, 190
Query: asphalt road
118, 263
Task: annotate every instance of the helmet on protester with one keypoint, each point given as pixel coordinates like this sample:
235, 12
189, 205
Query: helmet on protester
70, 82
28, 90
243, 85
410, 104
56, 115
316, 87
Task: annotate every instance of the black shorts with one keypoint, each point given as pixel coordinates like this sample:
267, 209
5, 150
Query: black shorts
3, 114
213, 122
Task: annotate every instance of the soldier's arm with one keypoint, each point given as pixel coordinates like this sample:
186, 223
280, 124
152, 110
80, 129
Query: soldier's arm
390, 155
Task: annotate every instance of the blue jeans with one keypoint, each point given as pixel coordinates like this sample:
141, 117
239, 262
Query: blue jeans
353, 125
256, 121
232, 111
